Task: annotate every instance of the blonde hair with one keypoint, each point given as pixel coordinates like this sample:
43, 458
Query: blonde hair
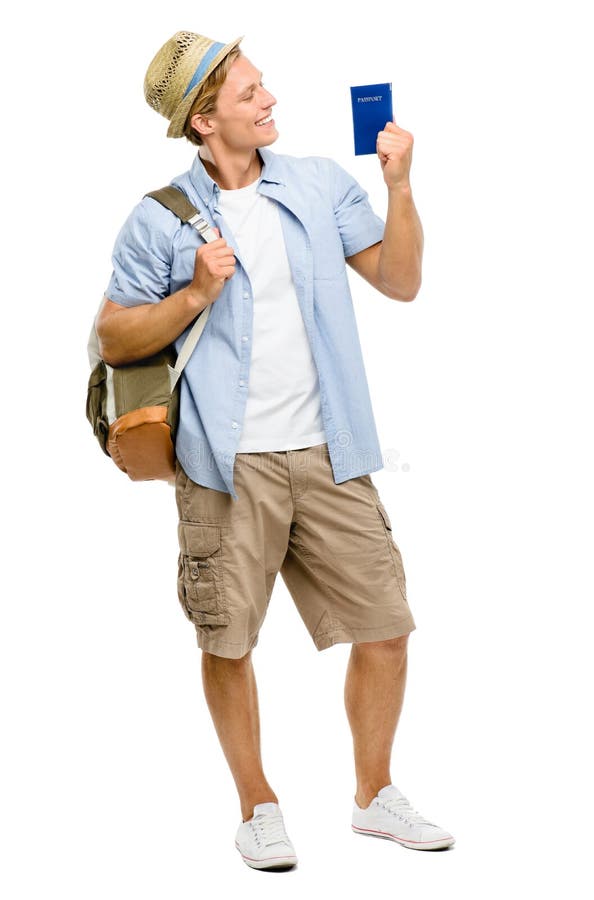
205, 101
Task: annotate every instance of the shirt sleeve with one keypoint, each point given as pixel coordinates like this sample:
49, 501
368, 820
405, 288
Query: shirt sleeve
141, 256
358, 224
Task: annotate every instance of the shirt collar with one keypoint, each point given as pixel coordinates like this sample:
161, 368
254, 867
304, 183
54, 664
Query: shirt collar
207, 188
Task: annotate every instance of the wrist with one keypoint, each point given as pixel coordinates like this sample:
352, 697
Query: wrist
400, 189
195, 299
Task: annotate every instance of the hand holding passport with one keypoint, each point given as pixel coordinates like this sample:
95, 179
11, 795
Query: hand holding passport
372, 108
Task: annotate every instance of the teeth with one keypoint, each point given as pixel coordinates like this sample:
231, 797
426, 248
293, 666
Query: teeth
264, 121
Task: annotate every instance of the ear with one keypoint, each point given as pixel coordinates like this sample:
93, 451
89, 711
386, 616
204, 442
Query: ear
201, 125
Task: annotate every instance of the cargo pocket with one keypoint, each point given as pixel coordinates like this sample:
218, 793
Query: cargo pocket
393, 547
200, 574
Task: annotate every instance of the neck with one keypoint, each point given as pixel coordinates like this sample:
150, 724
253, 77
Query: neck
231, 171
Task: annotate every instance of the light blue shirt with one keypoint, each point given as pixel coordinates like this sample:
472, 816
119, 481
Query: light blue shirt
325, 216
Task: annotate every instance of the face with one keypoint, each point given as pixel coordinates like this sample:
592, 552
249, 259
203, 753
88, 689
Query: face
242, 103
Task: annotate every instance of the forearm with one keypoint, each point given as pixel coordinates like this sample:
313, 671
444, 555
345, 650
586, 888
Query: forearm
133, 333
401, 256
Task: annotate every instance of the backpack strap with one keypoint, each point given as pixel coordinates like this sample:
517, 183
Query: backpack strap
174, 200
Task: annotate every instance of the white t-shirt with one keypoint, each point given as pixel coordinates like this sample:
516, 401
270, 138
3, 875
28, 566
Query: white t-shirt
283, 404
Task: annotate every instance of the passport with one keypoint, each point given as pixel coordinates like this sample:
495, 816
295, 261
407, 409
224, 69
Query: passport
372, 108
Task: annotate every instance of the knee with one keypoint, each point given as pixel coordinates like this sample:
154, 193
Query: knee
396, 646
231, 662
399, 643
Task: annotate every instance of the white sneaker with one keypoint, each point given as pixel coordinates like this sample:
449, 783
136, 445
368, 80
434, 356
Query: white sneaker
390, 815
262, 840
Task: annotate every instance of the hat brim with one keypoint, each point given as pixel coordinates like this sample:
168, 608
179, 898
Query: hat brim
176, 125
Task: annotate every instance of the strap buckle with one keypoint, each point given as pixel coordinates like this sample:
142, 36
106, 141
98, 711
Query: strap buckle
202, 227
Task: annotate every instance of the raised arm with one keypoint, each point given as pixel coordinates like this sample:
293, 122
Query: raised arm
394, 265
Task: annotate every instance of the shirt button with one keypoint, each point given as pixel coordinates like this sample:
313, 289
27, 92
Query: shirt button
244, 338
241, 382
246, 296
233, 424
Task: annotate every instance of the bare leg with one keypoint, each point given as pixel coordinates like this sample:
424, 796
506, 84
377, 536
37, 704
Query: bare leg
232, 698
373, 695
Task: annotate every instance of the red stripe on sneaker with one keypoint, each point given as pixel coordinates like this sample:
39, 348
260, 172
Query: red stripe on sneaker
395, 836
266, 858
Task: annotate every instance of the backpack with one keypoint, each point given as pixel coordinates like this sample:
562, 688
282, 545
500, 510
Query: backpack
134, 409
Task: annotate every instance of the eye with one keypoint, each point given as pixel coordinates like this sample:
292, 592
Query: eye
252, 95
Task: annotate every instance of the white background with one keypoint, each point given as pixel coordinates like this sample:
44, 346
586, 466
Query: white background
114, 782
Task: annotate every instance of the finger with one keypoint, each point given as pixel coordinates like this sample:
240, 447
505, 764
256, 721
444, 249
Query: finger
221, 259
393, 136
392, 128
394, 149
211, 245
221, 250
222, 264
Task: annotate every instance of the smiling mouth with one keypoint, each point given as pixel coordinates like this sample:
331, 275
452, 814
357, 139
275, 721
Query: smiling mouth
264, 121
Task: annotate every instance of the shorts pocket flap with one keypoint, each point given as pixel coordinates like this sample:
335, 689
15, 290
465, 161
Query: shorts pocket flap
385, 516
199, 540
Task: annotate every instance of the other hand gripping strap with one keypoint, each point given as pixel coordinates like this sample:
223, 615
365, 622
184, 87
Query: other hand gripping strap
174, 200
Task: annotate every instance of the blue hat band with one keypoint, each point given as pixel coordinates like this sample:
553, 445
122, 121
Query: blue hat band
204, 64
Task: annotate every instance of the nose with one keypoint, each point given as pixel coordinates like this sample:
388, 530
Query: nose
267, 99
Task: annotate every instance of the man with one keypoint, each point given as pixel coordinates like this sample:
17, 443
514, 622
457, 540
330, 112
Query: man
276, 440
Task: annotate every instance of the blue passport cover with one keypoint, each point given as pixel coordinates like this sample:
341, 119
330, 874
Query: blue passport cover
372, 108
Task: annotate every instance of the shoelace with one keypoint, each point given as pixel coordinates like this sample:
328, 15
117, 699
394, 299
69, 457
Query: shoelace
271, 828
401, 807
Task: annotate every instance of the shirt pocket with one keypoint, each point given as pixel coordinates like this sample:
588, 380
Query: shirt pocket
328, 251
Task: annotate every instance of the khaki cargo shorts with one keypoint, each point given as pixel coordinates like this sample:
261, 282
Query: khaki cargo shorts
332, 544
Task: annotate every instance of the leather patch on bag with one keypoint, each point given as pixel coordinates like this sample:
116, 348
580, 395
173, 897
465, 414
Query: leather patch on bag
140, 444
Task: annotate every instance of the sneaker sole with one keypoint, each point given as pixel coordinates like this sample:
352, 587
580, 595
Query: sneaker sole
273, 862
412, 845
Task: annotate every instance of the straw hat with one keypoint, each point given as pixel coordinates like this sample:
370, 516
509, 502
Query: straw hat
179, 68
